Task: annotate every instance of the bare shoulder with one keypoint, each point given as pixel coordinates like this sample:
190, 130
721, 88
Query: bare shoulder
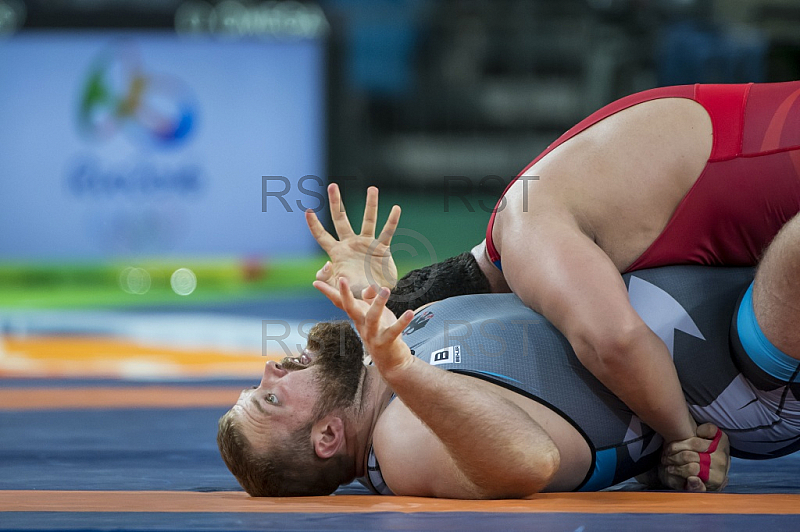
670, 119
413, 461
619, 181
674, 134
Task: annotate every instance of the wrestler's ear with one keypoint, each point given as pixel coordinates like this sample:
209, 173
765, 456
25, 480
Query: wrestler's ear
327, 436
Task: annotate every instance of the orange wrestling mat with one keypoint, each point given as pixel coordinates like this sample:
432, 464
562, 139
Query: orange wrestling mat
603, 502
104, 431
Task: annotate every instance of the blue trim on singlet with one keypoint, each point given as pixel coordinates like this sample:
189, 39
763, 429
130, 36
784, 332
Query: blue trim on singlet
605, 467
499, 264
494, 375
760, 350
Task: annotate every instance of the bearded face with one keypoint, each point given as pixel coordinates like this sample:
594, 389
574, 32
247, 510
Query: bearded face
336, 350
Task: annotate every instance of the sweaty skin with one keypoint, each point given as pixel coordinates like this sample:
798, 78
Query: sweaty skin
611, 198
460, 422
353, 250
600, 200
449, 435
588, 210
592, 209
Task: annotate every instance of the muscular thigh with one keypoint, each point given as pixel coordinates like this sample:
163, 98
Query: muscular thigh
776, 292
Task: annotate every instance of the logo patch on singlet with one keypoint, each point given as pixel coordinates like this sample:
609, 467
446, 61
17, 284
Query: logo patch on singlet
419, 321
448, 355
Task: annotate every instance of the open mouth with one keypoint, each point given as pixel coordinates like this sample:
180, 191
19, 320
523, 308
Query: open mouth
306, 357
299, 362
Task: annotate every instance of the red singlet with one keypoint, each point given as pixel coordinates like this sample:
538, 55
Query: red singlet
749, 188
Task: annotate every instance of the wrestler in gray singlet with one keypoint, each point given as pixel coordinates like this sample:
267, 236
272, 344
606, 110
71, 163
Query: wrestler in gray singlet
495, 337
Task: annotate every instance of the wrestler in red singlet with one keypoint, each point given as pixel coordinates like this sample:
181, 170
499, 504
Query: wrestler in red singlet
749, 188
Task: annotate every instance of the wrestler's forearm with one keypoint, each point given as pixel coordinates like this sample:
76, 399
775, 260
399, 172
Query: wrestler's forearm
641, 373
617, 347
498, 447
565, 276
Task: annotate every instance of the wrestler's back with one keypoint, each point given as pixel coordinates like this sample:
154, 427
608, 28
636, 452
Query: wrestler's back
703, 174
619, 180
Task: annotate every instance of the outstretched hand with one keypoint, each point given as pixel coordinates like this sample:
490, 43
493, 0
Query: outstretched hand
698, 463
360, 258
380, 331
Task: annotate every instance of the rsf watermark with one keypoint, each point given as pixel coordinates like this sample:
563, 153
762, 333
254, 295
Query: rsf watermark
274, 190
277, 187
378, 263
463, 188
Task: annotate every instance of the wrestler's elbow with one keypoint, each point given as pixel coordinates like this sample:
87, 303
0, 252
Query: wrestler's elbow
547, 464
608, 350
529, 476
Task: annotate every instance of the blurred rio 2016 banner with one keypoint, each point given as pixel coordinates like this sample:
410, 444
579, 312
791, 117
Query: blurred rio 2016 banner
125, 146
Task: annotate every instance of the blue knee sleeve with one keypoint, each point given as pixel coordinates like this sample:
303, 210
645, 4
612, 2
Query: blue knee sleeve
766, 356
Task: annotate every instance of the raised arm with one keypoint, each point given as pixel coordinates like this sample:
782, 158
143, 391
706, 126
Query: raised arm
360, 258
564, 275
367, 264
486, 446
